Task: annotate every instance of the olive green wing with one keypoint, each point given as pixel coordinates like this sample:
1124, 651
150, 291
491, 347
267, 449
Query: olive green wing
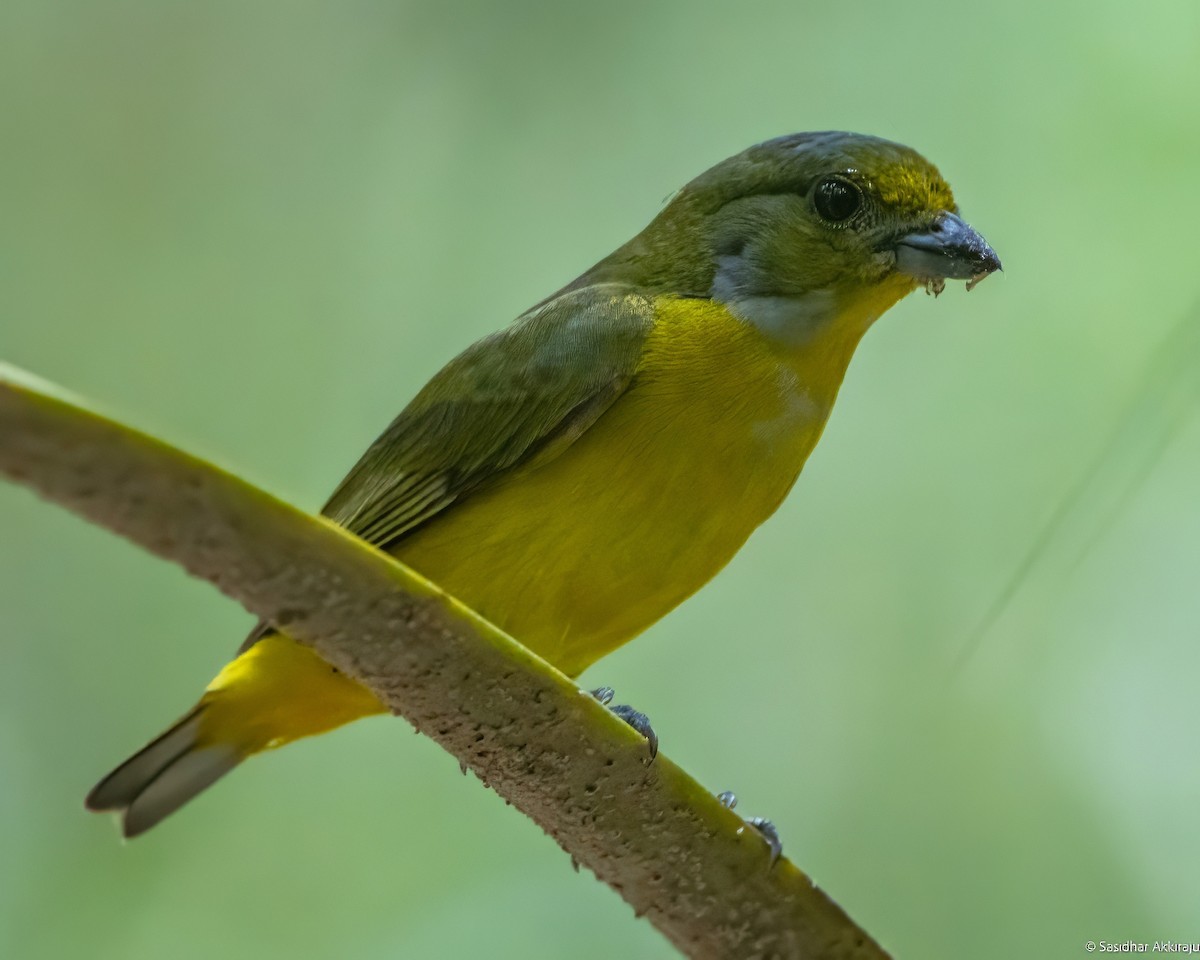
517, 397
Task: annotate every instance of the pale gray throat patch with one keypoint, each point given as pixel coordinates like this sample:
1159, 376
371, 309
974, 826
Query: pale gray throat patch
792, 319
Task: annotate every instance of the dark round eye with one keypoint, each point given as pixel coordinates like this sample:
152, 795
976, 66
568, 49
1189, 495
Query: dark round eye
837, 199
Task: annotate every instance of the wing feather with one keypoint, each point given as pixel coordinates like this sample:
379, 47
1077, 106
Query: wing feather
522, 395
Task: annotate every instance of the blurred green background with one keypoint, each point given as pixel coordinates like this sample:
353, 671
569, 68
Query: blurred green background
255, 229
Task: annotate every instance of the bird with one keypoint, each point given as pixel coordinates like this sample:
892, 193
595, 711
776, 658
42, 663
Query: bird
581, 472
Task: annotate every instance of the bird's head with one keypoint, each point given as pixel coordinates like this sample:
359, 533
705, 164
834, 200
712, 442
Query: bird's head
802, 225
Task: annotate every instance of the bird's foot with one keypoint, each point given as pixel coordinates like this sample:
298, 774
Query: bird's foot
765, 827
635, 718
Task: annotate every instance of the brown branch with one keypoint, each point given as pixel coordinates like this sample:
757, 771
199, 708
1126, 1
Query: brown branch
693, 868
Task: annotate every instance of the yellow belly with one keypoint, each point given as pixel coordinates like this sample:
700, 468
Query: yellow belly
577, 555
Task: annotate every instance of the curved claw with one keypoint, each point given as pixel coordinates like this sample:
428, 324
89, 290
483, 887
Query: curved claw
635, 718
765, 827
641, 723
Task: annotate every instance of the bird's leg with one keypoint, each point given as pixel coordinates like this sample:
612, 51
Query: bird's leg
635, 718
764, 826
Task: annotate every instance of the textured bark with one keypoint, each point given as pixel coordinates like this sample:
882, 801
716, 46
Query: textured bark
690, 866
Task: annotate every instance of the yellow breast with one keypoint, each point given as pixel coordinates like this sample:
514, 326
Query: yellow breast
576, 556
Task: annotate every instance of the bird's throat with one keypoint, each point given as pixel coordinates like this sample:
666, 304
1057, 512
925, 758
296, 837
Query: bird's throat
799, 320
816, 333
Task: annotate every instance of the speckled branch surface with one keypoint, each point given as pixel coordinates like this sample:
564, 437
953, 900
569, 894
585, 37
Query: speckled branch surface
690, 866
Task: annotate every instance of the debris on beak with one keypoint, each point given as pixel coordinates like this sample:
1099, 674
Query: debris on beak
977, 279
948, 250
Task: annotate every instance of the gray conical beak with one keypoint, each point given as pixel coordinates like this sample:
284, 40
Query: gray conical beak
949, 250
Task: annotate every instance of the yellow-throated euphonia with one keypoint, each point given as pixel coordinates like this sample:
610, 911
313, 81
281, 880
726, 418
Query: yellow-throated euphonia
578, 474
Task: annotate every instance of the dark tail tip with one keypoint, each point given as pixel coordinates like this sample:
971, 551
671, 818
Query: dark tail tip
162, 776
